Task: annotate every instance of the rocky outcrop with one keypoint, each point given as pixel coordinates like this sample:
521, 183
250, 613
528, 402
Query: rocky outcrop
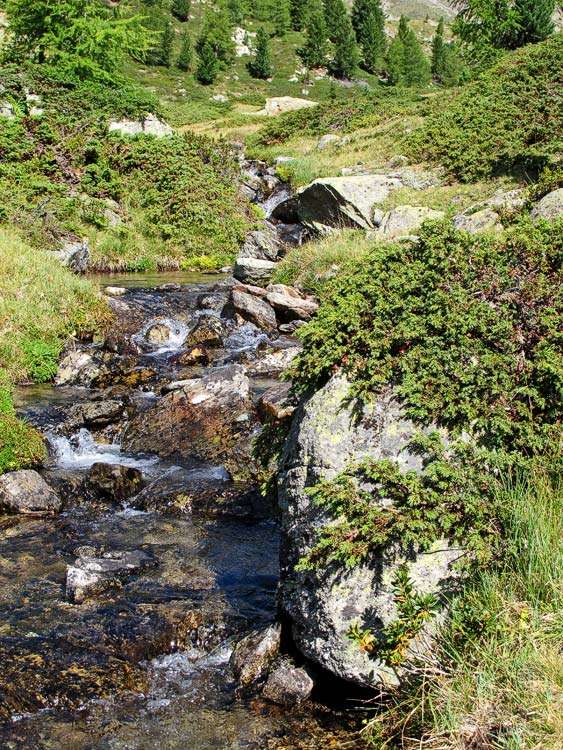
337, 202
484, 221
27, 492
550, 207
261, 244
405, 221
75, 255
329, 433
279, 104
150, 125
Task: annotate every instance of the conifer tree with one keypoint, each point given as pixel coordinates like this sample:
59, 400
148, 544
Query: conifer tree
454, 70
314, 51
208, 66
370, 33
166, 44
346, 57
404, 28
281, 18
236, 11
438, 52
217, 31
181, 9
261, 66
298, 12
335, 16
184, 61
407, 64
535, 20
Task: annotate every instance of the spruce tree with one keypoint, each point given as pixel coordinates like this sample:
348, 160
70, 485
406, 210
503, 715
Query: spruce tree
454, 70
184, 61
314, 51
298, 12
438, 53
395, 61
217, 31
346, 57
208, 66
281, 18
236, 11
404, 28
261, 66
181, 9
373, 40
407, 64
335, 16
166, 44
535, 19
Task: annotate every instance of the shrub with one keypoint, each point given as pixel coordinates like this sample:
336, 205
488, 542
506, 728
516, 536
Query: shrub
509, 119
466, 329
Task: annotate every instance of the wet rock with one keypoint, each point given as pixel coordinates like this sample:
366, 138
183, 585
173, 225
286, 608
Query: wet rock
291, 327
275, 403
194, 355
479, 222
288, 685
405, 221
77, 367
115, 291
550, 207
124, 372
202, 418
333, 202
91, 576
262, 245
331, 432
75, 255
253, 656
26, 491
254, 309
159, 333
208, 330
95, 413
253, 270
274, 361
290, 304
115, 482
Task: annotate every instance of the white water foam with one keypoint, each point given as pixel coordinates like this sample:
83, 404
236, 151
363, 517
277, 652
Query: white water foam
81, 451
178, 331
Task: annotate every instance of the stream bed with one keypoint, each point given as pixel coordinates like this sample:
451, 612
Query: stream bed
144, 663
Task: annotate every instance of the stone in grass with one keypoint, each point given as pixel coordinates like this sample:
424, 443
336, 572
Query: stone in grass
27, 492
254, 654
288, 685
90, 576
550, 207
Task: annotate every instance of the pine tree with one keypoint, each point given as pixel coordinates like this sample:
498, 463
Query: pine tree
454, 70
261, 66
346, 57
298, 12
314, 51
166, 44
217, 31
184, 61
281, 18
208, 66
373, 40
236, 11
438, 52
335, 16
535, 18
181, 9
407, 64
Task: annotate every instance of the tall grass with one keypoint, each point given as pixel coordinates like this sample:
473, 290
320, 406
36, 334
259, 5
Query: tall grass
497, 679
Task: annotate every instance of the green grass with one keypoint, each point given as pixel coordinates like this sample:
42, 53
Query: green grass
496, 678
42, 304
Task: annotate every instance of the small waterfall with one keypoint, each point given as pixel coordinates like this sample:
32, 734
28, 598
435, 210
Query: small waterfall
178, 330
81, 451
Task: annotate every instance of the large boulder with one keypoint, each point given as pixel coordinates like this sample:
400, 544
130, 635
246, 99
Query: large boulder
550, 207
253, 270
279, 104
261, 244
484, 221
150, 125
336, 202
206, 418
290, 303
254, 309
27, 492
329, 433
405, 221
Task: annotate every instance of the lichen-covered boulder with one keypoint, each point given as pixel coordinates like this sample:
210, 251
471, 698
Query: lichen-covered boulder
26, 491
405, 221
254, 654
484, 221
550, 207
322, 604
288, 685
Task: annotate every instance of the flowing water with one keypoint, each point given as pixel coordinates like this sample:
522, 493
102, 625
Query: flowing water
144, 664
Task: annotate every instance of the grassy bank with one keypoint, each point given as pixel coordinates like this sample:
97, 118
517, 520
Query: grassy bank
42, 304
496, 680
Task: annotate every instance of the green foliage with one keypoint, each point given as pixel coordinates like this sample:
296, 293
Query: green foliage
509, 119
344, 62
208, 66
335, 16
407, 64
217, 33
315, 49
184, 61
504, 24
298, 12
368, 20
466, 329
181, 9
21, 446
261, 65
281, 18
438, 46
236, 11
83, 38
